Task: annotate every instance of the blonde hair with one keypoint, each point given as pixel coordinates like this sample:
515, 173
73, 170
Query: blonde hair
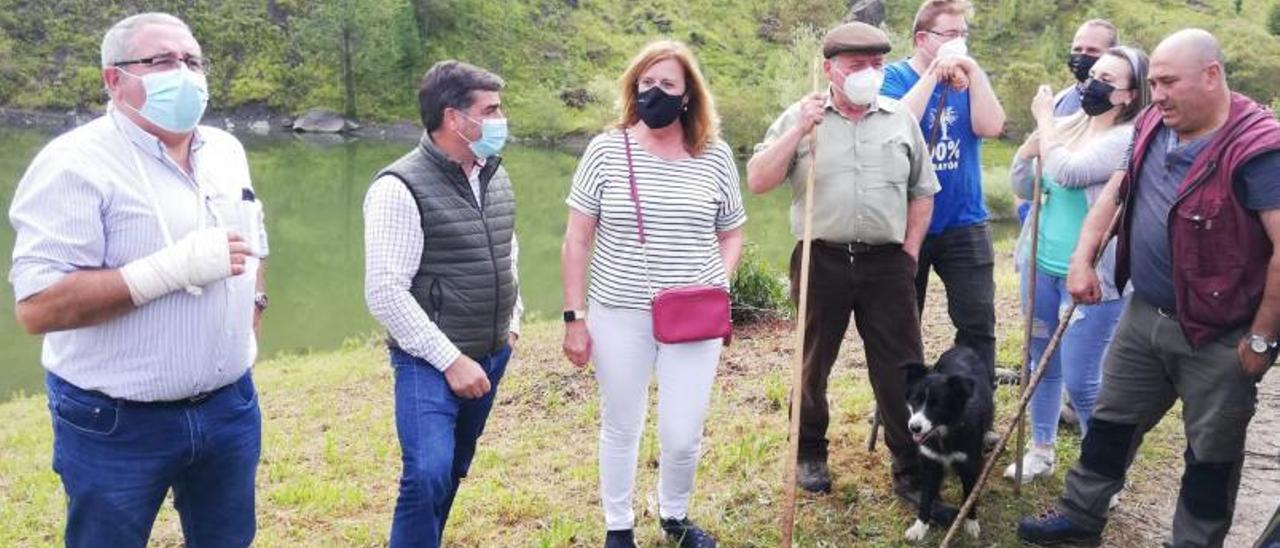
929, 12
700, 122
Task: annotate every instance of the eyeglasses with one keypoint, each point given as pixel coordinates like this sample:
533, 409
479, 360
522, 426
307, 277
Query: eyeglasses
169, 61
951, 34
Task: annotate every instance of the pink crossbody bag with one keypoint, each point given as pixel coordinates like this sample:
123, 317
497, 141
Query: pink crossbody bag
686, 313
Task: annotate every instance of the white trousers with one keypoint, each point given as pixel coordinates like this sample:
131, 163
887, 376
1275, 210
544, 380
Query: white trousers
625, 356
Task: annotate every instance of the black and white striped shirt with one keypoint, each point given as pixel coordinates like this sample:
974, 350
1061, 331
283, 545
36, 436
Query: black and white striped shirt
685, 204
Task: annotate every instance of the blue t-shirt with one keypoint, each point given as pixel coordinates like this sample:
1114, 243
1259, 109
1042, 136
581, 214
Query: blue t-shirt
956, 156
1164, 168
1069, 102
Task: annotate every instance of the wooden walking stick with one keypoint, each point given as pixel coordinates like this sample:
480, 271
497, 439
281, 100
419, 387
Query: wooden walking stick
1030, 269
797, 367
875, 430
1026, 395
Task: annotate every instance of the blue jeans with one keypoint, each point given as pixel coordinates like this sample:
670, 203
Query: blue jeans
118, 459
1081, 349
438, 433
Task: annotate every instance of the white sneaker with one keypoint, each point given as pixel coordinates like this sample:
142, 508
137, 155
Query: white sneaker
1036, 463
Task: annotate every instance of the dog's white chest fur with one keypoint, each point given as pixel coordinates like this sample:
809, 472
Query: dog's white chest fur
947, 458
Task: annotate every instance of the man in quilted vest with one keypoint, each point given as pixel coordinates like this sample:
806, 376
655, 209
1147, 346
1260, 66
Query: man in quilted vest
440, 275
1201, 198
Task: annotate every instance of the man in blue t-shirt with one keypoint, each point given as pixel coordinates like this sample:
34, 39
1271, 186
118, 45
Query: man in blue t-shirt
953, 98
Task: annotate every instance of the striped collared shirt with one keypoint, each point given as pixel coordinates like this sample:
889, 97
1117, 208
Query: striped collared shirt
83, 206
393, 241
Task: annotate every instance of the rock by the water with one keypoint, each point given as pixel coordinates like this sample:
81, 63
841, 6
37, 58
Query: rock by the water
319, 120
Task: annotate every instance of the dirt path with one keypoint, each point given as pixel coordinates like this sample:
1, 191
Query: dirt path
1146, 508
1260, 487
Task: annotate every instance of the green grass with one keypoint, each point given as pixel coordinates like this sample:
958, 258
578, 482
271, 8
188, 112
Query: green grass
330, 460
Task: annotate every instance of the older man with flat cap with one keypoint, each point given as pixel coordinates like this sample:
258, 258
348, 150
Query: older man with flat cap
873, 197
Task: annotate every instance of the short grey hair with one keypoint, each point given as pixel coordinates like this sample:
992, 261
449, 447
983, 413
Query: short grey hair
1106, 25
115, 45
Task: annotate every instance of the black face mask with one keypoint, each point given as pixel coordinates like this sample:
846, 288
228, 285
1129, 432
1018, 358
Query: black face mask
1096, 98
657, 108
1080, 64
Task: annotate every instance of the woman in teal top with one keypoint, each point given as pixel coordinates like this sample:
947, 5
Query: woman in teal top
1078, 153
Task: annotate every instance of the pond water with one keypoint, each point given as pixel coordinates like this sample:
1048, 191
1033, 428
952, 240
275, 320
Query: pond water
313, 190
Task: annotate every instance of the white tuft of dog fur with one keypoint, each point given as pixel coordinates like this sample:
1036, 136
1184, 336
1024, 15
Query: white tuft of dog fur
971, 527
990, 439
947, 459
917, 531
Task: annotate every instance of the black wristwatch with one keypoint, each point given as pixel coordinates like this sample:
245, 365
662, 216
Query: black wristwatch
571, 316
260, 301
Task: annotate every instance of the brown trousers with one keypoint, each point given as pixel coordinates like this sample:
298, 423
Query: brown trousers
876, 285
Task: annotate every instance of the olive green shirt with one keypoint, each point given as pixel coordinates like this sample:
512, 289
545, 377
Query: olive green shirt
867, 171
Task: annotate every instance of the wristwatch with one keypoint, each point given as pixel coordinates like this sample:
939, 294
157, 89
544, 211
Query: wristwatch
571, 316
260, 301
1260, 344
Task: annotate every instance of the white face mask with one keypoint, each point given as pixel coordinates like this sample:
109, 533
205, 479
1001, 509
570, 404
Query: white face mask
953, 48
862, 87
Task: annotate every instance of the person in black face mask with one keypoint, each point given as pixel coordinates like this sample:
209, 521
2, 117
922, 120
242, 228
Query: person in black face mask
1092, 39
657, 108
655, 204
1078, 155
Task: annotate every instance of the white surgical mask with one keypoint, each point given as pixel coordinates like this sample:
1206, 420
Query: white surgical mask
862, 87
953, 48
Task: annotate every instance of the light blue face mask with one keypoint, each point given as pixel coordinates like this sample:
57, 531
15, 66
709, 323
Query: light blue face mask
175, 98
493, 134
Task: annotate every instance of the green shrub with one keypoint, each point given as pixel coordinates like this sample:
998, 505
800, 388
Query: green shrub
1016, 86
757, 291
1273, 19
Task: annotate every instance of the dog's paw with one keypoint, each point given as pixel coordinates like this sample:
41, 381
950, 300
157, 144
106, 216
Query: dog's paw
989, 440
917, 531
971, 527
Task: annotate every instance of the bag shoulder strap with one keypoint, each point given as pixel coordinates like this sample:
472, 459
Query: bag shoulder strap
635, 192
635, 199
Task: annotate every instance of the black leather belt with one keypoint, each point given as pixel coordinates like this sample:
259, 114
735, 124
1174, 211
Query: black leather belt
184, 402
858, 248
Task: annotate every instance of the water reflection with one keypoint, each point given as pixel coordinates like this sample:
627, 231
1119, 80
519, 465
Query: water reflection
313, 191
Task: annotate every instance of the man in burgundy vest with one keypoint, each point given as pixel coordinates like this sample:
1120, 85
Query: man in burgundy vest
1201, 212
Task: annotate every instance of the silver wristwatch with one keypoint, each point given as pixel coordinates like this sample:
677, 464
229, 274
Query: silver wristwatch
1260, 344
260, 301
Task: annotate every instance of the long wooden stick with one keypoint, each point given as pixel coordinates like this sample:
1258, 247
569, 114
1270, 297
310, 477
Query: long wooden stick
875, 430
797, 367
1025, 366
1041, 367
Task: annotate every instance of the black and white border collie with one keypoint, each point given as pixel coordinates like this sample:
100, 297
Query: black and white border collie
951, 409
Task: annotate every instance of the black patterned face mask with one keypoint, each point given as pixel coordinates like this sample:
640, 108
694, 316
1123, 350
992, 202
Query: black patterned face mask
1080, 64
1096, 98
657, 108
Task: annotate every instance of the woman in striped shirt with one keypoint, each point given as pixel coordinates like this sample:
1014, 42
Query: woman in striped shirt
687, 184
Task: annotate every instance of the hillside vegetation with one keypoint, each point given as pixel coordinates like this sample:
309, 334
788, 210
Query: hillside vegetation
561, 57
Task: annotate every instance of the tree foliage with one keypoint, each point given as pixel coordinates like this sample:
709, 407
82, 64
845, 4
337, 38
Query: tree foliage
561, 58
